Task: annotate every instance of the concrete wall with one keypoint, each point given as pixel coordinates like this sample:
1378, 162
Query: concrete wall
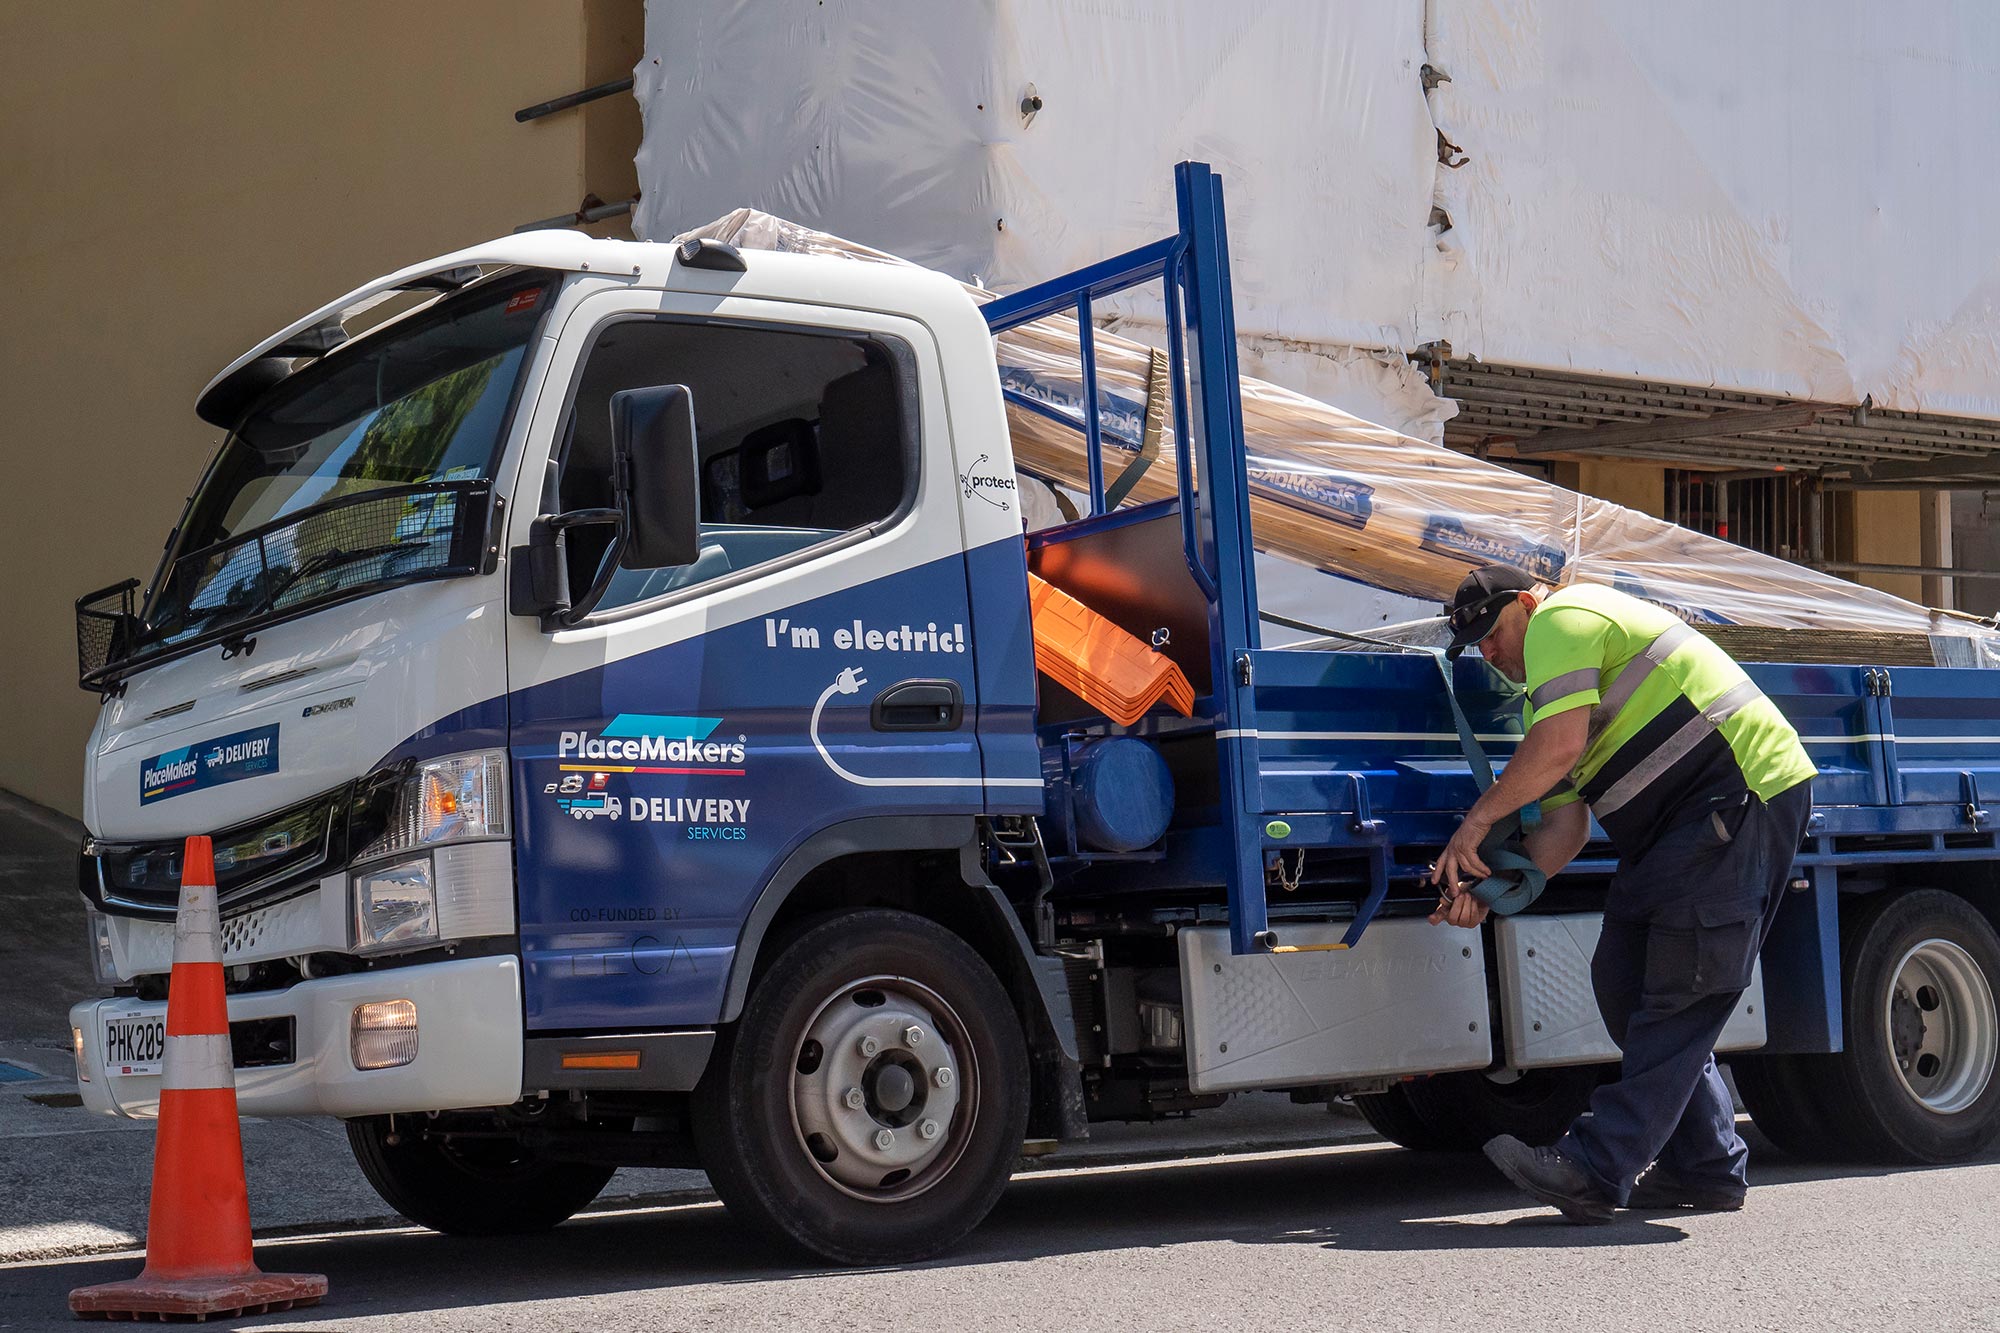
182, 178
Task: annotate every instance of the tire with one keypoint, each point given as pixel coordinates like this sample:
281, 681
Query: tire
1460, 1112
1786, 1097
487, 1188
1392, 1116
775, 1117
1917, 1081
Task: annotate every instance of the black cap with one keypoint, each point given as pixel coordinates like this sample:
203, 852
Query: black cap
1475, 608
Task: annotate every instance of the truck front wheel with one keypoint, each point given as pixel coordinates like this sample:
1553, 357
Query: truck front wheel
468, 1185
869, 1105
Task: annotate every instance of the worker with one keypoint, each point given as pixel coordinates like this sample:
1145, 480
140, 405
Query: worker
1703, 790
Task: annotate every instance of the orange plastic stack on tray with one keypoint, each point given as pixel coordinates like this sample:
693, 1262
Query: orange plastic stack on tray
1106, 667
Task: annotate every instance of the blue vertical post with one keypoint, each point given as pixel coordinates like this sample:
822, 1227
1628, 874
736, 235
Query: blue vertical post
1223, 501
1093, 429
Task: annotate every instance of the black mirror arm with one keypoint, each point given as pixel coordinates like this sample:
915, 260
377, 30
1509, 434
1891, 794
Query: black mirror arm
607, 565
582, 518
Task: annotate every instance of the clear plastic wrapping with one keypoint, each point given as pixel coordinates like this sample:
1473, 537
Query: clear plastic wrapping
1372, 504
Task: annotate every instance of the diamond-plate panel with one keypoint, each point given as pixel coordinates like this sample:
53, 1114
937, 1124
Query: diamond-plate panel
1411, 998
1548, 1009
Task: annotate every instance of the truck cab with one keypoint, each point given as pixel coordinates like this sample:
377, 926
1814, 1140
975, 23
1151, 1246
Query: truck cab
487, 814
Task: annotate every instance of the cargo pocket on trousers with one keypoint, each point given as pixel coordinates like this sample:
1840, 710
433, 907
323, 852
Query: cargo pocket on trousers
1725, 946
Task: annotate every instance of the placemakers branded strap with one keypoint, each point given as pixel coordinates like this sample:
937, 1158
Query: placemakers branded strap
1516, 880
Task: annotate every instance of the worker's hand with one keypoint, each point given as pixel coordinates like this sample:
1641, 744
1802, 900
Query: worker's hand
1460, 859
1460, 909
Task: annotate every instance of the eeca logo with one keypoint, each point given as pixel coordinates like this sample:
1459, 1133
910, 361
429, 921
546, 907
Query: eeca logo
648, 743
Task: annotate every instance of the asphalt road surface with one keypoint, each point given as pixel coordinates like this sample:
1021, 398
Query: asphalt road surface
1362, 1236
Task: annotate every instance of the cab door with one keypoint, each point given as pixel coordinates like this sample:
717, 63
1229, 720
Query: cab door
811, 668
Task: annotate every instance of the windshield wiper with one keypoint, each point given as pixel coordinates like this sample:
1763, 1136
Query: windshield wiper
331, 558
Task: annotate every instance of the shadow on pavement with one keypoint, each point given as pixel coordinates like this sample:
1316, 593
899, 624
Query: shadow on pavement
1375, 1198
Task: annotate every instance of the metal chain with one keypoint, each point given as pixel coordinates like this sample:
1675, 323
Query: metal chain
1290, 883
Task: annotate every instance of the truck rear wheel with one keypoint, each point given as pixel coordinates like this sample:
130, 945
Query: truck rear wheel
1460, 1112
1916, 1082
870, 1104
469, 1187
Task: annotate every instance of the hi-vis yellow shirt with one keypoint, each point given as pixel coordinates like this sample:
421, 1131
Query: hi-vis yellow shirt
1676, 728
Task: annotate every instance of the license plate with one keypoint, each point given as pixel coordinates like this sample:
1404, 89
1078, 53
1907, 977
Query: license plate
134, 1043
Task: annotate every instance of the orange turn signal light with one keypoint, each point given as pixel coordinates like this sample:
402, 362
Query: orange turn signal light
602, 1060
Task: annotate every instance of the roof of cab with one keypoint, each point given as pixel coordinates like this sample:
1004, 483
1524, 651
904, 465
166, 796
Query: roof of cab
646, 263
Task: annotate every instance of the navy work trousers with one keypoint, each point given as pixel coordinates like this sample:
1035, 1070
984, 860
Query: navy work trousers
1683, 924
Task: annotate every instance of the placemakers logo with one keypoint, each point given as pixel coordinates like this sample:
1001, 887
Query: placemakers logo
649, 743
242, 754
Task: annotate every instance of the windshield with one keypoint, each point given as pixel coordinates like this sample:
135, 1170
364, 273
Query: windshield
285, 516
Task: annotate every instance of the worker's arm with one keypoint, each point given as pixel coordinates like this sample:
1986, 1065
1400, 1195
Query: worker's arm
1547, 754
1554, 843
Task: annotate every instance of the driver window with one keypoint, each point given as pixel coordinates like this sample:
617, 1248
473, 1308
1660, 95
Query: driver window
803, 437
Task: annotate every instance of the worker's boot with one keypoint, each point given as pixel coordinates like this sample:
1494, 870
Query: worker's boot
1661, 1188
1550, 1177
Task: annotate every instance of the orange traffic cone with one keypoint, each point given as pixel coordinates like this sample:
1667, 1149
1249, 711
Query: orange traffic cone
198, 1230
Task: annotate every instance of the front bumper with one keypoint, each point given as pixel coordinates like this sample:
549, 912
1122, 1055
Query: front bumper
468, 1045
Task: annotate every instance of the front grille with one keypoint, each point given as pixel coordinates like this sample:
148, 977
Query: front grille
254, 861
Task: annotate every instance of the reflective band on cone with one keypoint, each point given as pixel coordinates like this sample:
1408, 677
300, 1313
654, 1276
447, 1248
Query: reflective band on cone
198, 1260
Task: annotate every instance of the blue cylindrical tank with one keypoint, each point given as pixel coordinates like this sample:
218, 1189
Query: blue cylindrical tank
1121, 795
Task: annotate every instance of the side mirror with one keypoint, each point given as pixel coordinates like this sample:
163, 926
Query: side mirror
538, 573
655, 471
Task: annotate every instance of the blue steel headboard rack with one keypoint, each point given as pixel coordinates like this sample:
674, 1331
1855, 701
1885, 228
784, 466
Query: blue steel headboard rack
1193, 270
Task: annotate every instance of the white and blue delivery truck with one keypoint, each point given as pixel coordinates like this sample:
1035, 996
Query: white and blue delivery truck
609, 683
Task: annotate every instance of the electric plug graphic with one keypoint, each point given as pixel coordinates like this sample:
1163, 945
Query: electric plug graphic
850, 680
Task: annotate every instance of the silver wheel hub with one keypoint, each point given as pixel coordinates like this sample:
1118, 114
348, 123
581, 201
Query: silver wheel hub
1943, 1026
879, 1088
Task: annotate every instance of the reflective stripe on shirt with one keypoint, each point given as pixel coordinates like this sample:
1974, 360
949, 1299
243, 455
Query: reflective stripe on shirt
1642, 665
1663, 756
1570, 682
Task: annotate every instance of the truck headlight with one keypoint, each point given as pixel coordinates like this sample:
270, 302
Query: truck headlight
395, 907
454, 799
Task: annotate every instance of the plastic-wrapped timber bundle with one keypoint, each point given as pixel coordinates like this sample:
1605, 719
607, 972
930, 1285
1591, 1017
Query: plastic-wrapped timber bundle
1370, 503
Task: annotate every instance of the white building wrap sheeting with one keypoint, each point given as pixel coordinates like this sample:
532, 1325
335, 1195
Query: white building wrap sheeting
1786, 198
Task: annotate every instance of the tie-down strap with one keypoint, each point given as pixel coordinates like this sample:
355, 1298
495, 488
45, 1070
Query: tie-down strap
1516, 880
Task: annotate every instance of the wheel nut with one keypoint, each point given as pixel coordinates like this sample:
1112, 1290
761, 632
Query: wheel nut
913, 1036
942, 1078
869, 1046
928, 1129
854, 1099
885, 1139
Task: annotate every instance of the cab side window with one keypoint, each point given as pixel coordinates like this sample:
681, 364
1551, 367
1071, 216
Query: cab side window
804, 437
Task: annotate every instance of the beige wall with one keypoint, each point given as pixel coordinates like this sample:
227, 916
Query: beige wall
182, 178
1640, 486
1887, 531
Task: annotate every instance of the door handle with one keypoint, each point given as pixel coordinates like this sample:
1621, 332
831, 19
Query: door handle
918, 705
